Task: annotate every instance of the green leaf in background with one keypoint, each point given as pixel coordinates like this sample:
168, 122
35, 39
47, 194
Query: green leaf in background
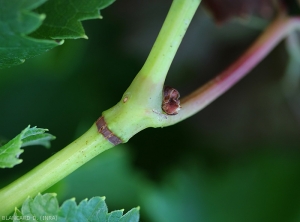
45, 207
37, 136
39, 207
58, 20
63, 17
10, 152
17, 21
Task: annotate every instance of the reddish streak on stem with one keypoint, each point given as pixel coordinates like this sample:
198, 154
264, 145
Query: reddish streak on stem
204, 95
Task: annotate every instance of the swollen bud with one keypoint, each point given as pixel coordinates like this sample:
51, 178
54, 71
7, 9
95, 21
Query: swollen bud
170, 103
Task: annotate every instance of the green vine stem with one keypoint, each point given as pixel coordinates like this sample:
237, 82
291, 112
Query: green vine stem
53, 169
132, 114
140, 106
203, 96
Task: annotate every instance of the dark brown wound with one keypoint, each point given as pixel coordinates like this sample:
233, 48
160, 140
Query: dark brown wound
107, 133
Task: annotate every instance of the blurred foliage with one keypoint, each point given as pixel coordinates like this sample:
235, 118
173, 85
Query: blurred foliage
223, 10
237, 160
293, 7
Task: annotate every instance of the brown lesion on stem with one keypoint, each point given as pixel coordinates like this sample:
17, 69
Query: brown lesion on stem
106, 132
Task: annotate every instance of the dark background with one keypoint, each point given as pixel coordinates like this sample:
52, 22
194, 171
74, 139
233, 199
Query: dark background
237, 160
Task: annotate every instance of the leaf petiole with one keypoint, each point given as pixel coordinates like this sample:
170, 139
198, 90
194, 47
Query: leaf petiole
204, 95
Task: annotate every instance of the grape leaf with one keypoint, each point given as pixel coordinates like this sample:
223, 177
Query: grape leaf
223, 10
25, 34
63, 17
16, 21
37, 136
10, 152
46, 206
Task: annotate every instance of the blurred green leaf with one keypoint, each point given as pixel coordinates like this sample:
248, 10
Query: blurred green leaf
45, 207
9, 153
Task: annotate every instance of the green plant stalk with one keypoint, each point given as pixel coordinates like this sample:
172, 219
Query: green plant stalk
58, 166
139, 108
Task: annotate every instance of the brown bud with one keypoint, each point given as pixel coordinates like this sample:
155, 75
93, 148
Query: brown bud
170, 103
